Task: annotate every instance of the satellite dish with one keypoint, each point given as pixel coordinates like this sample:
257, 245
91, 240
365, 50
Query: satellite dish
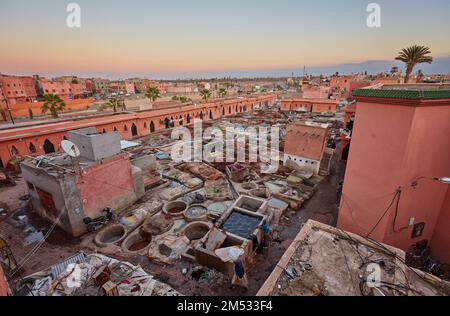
70, 148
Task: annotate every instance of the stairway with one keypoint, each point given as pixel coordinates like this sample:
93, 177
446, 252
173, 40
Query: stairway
325, 163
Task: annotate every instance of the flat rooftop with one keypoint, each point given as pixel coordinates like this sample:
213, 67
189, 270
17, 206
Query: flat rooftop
406, 91
326, 261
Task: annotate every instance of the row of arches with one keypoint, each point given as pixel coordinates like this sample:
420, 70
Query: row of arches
47, 146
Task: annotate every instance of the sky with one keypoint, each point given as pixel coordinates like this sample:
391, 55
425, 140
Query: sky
200, 38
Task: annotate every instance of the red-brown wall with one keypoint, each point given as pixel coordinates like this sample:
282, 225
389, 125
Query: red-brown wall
113, 179
21, 138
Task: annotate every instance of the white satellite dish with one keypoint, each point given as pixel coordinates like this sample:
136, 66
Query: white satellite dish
70, 148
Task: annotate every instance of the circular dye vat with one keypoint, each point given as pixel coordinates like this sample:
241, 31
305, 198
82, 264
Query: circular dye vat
196, 212
135, 243
110, 235
196, 230
175, 208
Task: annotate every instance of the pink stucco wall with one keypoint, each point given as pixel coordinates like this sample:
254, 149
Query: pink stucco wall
112, 178
394, 143
440, 242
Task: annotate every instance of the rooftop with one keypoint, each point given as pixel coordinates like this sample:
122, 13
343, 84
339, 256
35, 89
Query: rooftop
322, 257
406, 91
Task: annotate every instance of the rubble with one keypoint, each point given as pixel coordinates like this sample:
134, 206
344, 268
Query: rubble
325, 261
99, 276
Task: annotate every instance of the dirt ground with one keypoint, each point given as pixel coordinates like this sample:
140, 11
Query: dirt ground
185, 277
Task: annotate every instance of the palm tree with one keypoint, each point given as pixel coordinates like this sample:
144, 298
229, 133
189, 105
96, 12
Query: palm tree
153, 94
223, 92
114, 104
412, 56
205, 93
54, 104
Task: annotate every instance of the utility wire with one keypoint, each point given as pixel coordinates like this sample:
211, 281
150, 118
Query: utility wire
397, 194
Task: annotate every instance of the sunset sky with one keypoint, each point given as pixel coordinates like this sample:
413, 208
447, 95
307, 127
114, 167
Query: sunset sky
193, 37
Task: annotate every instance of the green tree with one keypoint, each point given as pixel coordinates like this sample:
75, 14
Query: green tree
223, 92
53, 104
412, 56
184, 99
153, 94
205, 93
114, 104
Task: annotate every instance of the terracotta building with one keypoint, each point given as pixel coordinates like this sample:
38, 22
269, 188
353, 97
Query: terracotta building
305, 147
345, 86
66, 90
18, 89
308, 105
315, 91
400, 142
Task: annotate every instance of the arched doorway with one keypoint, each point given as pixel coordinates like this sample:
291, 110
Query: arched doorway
48, 147
152, 127
201, 115
188, 119
134, 131
14, 151
32, 148
167, 123
115, 129
125, 128
210, 115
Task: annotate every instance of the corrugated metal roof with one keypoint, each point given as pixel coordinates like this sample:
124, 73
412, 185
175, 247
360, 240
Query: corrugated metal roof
61, 267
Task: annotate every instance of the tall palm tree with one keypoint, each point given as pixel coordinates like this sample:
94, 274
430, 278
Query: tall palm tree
412, 56
205, 93
54, 104
153, 94
223, 92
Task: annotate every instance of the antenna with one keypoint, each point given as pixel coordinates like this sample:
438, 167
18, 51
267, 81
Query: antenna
70, 148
